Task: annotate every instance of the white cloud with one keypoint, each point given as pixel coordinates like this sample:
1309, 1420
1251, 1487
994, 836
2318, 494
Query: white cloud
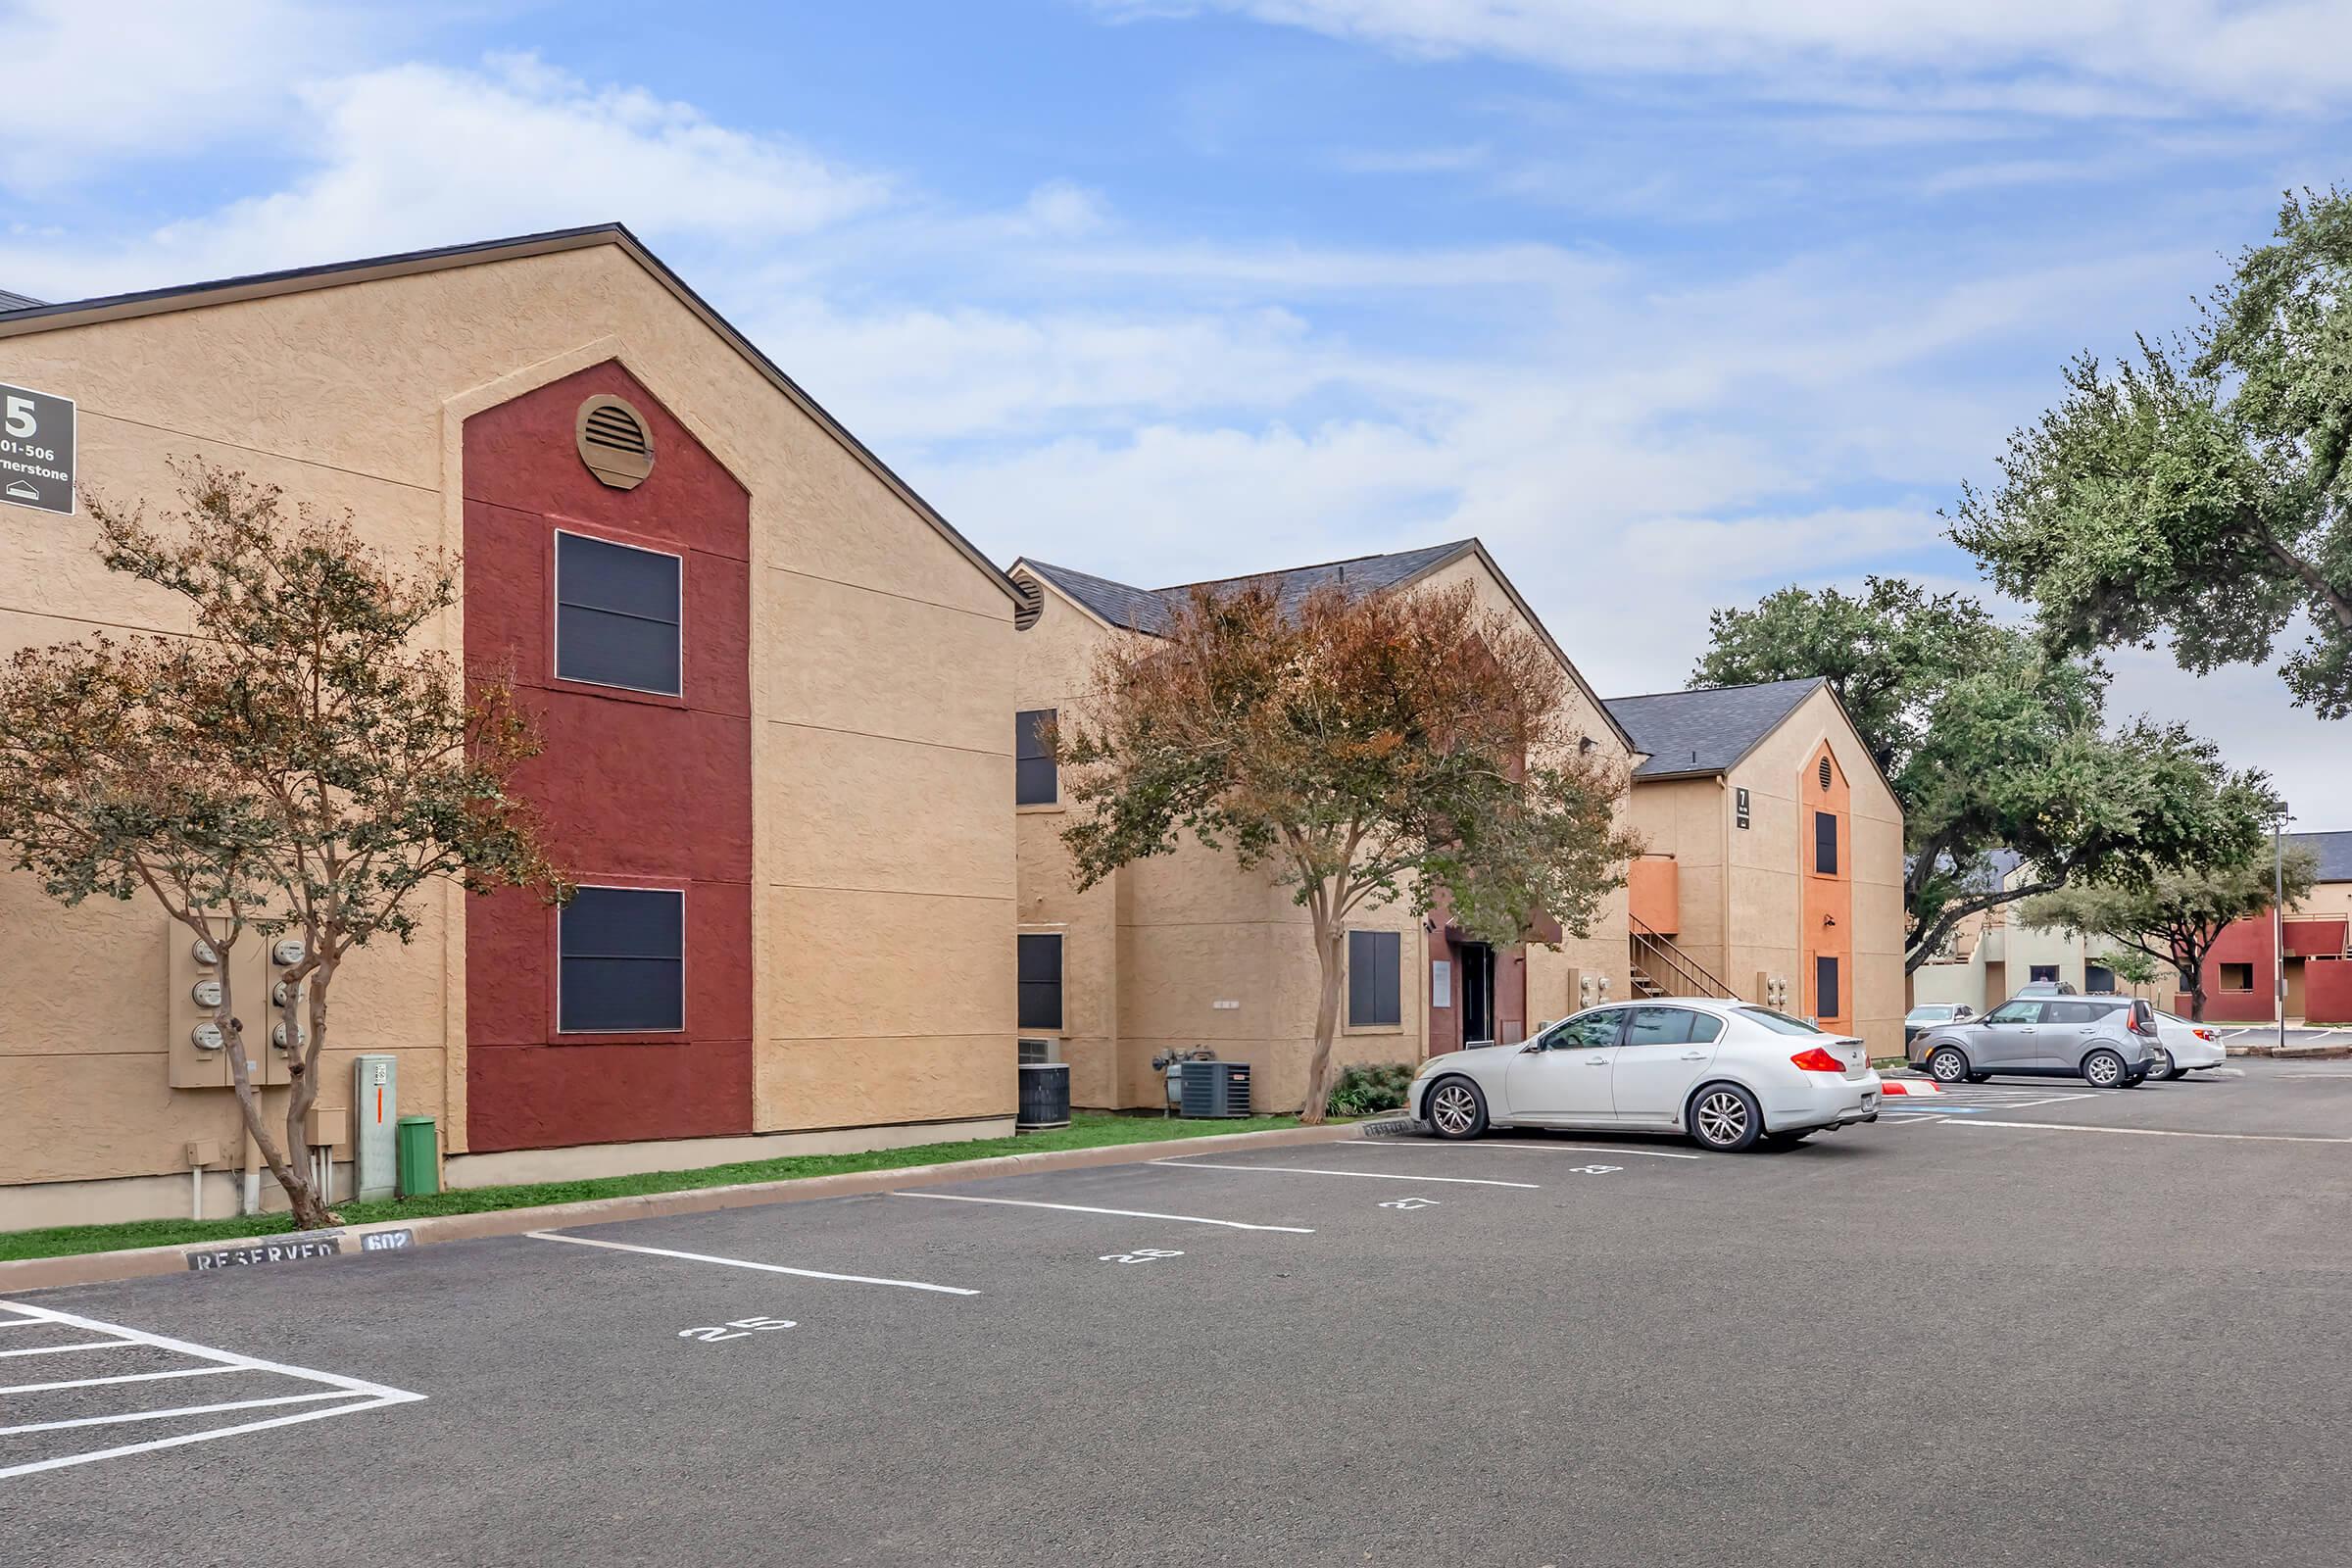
413, 156
89, 82
2092, 57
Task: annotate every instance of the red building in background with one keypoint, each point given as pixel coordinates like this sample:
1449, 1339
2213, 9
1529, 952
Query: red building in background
2241, 973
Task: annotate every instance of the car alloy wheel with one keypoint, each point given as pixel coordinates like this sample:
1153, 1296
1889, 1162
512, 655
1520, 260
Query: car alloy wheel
1723, 1119
2103, 1069
1947, 1066
1454, 1110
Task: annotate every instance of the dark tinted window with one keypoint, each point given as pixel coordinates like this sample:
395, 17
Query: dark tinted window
1779, 1023
1040, 982
2070, 1012
1706, 1028
622, 961
1660, 1026
1824, 989
1374, 982
617, 616
1825, 842
1034, 780
1587, 1030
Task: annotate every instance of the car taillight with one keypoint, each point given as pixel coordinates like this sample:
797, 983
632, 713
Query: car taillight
2133, 1023
1818, 1059
2203, 1034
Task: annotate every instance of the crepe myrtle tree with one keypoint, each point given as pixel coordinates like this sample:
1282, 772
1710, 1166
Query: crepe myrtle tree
295, 766
1369, 750
2202, 487
2179, 916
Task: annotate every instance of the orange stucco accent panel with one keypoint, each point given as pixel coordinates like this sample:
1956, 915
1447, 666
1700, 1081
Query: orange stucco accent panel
1828, 921
1653, 893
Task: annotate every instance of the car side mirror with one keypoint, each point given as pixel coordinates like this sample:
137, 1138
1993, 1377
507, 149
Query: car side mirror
1531, 1047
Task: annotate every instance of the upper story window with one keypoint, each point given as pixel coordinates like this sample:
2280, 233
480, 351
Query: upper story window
618, 615
621, 961
1035, 779
1825, 842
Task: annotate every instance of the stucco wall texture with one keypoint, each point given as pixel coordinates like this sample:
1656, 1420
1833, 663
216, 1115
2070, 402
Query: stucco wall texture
880, 665
1151, 952
1743, 891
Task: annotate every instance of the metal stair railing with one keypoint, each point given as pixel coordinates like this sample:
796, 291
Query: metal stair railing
1649, 943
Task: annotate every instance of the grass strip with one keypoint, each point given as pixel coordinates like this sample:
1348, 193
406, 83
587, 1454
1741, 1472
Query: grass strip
1087, 1130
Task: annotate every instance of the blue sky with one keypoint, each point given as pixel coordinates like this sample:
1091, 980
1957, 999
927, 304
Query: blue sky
1670, 301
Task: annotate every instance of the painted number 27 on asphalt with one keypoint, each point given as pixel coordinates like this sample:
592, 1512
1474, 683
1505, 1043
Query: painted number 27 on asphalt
742, 1328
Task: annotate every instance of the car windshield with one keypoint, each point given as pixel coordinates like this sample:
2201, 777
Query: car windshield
1779, 1023
1923, 1014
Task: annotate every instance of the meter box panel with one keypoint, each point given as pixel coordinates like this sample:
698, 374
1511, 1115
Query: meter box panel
376, 1126
198, 1045
273, 1048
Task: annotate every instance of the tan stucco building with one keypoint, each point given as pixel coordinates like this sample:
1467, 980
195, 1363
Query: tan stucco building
1776, 863
795, 800
1185, 950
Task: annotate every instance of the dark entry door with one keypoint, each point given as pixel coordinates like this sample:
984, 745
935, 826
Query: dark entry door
1478, 991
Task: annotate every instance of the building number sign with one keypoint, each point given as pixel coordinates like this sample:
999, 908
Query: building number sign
36, 450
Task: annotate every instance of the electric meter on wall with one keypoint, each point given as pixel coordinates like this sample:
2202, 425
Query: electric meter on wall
207, 1037
204, 955
280, 993
288, 952
278, 1036
207, 992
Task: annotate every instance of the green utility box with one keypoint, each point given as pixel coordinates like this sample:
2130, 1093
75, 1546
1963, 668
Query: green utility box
419, 1157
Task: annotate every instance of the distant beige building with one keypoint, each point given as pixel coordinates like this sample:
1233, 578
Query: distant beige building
1185, 951
1776, 863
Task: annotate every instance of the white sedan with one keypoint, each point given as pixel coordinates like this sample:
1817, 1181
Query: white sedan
2186, 1046
1724, 1072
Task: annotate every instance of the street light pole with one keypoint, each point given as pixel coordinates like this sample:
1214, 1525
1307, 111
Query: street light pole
2278, 927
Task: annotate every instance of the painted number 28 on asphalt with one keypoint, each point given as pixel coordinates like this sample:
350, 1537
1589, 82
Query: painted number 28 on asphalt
742, 1328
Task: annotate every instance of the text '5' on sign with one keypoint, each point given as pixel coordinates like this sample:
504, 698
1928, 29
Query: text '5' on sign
36, 450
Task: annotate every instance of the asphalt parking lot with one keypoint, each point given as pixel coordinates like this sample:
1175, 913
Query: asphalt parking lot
2102, 1328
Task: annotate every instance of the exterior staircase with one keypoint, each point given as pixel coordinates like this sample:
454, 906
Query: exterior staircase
1660, 968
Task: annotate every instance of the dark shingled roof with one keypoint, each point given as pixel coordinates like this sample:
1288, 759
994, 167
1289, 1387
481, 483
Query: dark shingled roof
1147, 609
2334, 850
1705, 731
15, 302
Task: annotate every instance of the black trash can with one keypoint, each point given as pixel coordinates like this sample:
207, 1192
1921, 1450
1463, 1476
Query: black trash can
1044, 1096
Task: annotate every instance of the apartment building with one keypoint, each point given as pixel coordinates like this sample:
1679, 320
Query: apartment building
771, 679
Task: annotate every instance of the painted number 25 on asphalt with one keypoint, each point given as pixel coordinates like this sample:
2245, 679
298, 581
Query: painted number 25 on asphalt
742, 1328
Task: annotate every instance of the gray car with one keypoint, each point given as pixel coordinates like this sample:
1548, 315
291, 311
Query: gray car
2108, 1042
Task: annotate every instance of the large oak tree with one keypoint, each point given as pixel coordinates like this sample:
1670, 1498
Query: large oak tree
2201, 488
1989, 743
1367, 749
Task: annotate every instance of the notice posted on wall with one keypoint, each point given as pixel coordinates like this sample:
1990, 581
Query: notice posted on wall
36, 450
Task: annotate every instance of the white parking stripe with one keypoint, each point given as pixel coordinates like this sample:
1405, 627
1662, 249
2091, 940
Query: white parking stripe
207, 1435
1124, 1213
60, 1350
250, 1363
2152, 1132
739, 1262
1488, 1143
1365, 1175
128, 1377
177, 1411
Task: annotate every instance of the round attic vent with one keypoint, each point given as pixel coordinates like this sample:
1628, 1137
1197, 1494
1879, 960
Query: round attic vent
1824, 772
614, 441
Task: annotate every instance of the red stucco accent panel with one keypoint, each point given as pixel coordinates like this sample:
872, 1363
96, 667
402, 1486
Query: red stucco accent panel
635, 789
2327, 991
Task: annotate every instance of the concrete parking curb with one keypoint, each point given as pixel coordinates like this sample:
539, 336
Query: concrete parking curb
93, 1268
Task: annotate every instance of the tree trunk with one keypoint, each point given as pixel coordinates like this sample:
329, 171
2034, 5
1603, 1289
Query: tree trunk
2196, 1001
305, 1038
1327, 1026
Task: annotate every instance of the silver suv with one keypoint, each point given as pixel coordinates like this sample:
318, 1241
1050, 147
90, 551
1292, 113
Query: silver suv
2105, 1041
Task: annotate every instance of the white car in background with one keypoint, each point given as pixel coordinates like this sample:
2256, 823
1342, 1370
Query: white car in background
1724, 1072
2186, 1046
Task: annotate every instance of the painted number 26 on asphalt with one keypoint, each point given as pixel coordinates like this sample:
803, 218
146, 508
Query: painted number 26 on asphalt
741, 1329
